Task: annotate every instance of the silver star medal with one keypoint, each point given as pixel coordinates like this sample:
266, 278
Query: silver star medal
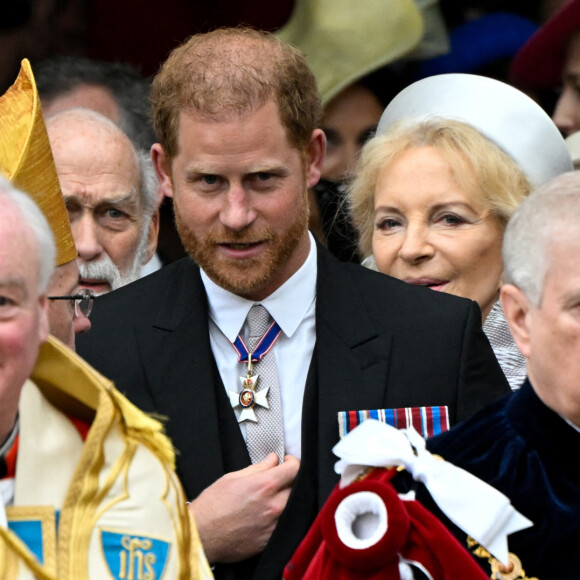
248, 397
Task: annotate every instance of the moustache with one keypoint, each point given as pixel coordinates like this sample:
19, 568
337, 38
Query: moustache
243, 238
103, 269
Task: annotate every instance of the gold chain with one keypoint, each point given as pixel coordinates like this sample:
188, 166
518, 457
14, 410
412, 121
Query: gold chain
513, 571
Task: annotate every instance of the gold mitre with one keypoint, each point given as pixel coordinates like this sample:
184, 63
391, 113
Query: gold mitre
26, 158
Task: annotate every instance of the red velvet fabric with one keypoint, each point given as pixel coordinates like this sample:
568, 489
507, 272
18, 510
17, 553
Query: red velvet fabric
413, 533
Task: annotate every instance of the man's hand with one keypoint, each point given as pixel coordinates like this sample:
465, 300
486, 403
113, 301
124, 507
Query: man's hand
237, 514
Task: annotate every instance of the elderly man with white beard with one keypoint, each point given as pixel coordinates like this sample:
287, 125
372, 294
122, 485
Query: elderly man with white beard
111, 194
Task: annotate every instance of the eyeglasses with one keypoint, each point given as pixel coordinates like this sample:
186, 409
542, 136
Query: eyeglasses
83, 301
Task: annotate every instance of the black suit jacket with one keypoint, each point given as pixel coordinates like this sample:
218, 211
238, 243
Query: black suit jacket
380, 343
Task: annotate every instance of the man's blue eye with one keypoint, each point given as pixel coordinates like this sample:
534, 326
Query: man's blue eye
263, 176
115, 213
210, 179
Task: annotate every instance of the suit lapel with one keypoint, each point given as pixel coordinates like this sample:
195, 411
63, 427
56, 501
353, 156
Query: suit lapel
352, 359
187, 388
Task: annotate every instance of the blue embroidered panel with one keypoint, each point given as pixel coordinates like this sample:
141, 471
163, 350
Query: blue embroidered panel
30, 532
135, 557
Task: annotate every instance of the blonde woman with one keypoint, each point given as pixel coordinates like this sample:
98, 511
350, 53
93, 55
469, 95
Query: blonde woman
437, 185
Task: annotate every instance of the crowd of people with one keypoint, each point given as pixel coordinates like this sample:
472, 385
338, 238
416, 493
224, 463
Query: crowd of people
195, 432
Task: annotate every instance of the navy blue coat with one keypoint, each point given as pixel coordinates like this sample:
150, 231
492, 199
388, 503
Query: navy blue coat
529, 453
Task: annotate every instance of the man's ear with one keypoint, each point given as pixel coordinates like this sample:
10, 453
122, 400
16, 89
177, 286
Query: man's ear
162, 169
315, 157
517, 309
152, 237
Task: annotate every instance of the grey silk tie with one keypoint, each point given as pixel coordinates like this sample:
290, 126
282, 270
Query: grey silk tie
267, 434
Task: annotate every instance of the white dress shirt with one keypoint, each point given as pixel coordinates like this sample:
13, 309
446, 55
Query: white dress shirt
293, 307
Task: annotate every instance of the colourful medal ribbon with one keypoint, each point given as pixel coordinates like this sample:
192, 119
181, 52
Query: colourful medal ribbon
249, 397
262, 348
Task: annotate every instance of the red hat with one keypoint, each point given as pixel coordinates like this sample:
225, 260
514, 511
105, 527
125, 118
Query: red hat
539, 63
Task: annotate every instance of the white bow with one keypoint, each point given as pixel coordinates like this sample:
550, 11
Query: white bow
475, 506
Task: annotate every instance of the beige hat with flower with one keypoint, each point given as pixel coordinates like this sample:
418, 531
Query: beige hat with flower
344, 40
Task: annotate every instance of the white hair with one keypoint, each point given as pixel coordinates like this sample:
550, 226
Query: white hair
549, 213
36, 222
149, 185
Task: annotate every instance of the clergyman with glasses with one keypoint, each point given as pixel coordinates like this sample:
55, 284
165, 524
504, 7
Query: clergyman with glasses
76, 458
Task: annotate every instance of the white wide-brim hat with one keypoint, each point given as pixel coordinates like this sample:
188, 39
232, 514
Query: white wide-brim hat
500, 112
